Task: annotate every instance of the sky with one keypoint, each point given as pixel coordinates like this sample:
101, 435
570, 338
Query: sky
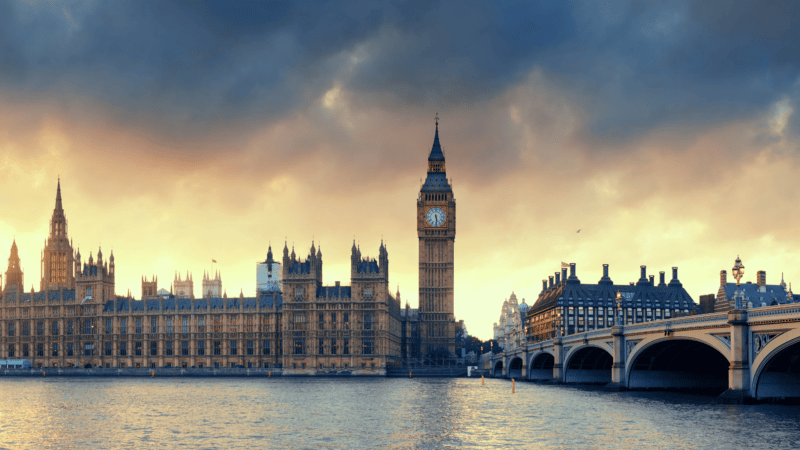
666, 132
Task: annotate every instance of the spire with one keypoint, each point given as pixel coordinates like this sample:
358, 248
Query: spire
436, 152
269, 256
58, 196
436, 181
14, 252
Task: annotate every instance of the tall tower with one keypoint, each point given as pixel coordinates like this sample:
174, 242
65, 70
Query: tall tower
212, 287
436, 229
184, 288
14, 275
57, 256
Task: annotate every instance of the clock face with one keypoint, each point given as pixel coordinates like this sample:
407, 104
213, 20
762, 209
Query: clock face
435, 217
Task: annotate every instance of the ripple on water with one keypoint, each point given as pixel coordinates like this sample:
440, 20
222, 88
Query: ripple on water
373, 413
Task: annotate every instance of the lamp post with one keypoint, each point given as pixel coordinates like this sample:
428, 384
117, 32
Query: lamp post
738, 272
619, 309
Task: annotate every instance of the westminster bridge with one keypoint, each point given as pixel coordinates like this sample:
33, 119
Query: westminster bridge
754, 353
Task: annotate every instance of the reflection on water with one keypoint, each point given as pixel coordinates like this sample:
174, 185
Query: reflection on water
372, 413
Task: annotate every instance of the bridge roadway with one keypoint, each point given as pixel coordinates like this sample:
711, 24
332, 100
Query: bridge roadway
754, 353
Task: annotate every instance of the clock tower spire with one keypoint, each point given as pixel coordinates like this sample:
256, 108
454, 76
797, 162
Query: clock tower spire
436, 229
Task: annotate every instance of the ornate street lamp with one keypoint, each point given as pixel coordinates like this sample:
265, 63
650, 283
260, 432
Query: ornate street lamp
738, 273
619, 308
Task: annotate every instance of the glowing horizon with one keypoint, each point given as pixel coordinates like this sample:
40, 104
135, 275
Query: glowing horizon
667, 134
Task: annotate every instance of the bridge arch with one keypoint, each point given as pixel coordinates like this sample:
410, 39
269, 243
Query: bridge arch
776, 368
590, 364
678, 362
541, 366
515, 368
497, 371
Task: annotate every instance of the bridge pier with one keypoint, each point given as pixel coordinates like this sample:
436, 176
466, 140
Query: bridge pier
618, 381
739, 369
558, 363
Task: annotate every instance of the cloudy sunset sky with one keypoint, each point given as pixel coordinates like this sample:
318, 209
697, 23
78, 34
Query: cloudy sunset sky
668, 133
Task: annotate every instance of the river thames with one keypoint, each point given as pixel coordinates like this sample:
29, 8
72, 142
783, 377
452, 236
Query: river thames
300, 413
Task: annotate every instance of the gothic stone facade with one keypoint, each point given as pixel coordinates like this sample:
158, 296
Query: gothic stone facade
77, 319
316, 330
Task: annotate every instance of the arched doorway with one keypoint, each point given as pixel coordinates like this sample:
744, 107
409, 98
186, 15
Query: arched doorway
498, 369
541, 367
589, 365
515, 368
780, 377
679, 364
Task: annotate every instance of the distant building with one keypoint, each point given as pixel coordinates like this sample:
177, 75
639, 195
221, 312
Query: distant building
268, 275
753, 295
707, 303
509, 331
212, 287
183, 287
573, 307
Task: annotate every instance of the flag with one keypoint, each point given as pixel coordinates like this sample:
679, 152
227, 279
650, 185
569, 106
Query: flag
214, 261
564, 265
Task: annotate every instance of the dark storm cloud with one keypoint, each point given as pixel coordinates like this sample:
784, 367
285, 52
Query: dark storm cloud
185, 65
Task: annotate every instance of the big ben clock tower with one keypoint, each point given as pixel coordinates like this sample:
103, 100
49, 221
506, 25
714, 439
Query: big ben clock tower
436, 228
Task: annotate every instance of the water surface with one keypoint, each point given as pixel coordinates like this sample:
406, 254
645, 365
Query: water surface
300, 413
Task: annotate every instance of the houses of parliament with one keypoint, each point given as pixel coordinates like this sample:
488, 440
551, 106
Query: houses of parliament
294, 323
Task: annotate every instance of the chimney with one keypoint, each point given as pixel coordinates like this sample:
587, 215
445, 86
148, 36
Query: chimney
661, 278
564, 275
605, 279
643, 278
723, 277
551, 282
544, 285
558, 278
572, 270
338, 283
674, 282
761, 277
652, 280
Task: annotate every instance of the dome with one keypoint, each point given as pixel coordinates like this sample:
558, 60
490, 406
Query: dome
523, 306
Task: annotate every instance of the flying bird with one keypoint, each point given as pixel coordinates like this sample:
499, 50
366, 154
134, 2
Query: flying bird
579, 230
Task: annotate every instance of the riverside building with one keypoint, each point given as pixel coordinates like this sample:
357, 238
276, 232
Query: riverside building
294, 322
568, 306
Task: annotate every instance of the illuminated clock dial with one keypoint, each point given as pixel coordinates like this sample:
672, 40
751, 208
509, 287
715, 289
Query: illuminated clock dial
435, 217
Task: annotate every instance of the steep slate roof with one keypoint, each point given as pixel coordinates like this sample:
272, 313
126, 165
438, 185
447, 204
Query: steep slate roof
249, 303
643, 294
300, 267
752, 294
334, 291
368, 266
200, 304
271, 300
216, 303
